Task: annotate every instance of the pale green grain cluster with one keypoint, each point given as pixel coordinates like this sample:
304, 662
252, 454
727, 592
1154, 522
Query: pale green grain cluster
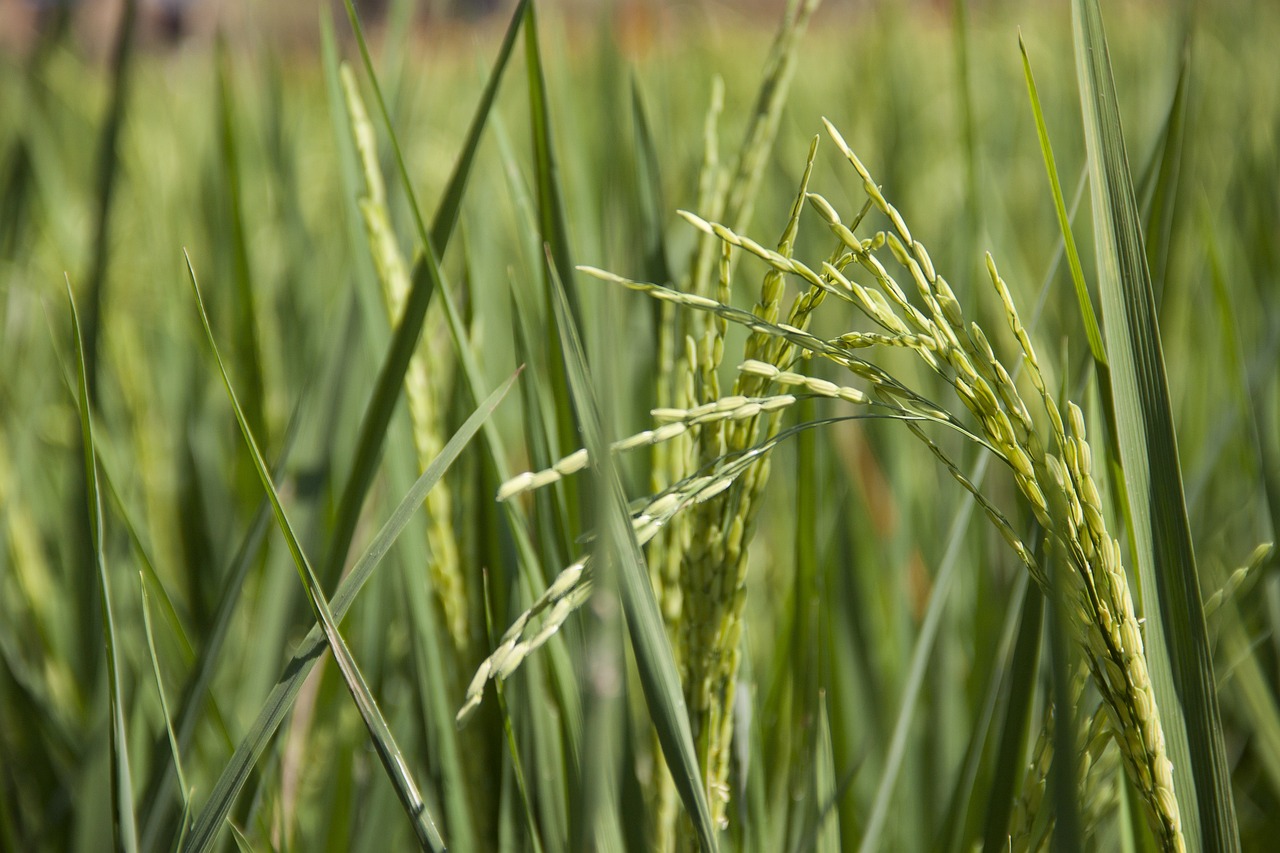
572, 587
1056, 478
426, 385
1053, 474
1096, 790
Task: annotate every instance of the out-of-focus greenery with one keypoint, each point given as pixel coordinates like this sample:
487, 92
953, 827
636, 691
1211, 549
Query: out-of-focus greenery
242, 155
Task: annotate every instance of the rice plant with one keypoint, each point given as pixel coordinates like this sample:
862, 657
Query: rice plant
604, 417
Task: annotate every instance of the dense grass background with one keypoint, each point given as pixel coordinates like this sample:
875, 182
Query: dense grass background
242, 155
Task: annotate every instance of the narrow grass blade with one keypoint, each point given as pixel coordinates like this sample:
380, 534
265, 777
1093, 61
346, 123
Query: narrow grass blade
446, 215
1177, 644
383, 740
1064, 788
1093, 334
552, 233
966, 788
108, 171
312, 647
975, 230
551, 218
653, 208
247, 348
517, 767
1010, 761
654, 659
194, 697
550, 512
241, 841
826, 791
1159, 187
123, 827
164, 699
920, 657
763, 126
425, 281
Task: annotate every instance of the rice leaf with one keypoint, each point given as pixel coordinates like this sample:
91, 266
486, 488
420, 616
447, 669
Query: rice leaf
1063, 782
553, 233
517, 766
966, 788
123, 827
826, 791
108, 171
194, 697
652, 207
655, 662
247, 347
551, 215
1093, 334
1159, 186
555, 533
164, 699
762, 127
446, 216
921, 655
241, 841
1177, 644
1010, 759
425, 281
383, 740
309, 651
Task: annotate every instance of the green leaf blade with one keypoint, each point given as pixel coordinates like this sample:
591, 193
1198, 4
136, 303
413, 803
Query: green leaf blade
123, 823
1177, 644
655, 660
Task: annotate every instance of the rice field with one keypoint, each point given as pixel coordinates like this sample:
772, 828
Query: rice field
852, 426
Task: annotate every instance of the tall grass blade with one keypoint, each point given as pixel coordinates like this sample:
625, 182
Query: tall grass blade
123, 827
654, 659
425, 281
920, 658
382, 738
653, 208
164, 700
108, 166
246, 336
194, 697
1177, 644
966, 788
1063, 784
309, 651
1093, 334
446, 215
1159, 187
826, 791
517, 766
1010, 760
762, 128
551, 216
553, 233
